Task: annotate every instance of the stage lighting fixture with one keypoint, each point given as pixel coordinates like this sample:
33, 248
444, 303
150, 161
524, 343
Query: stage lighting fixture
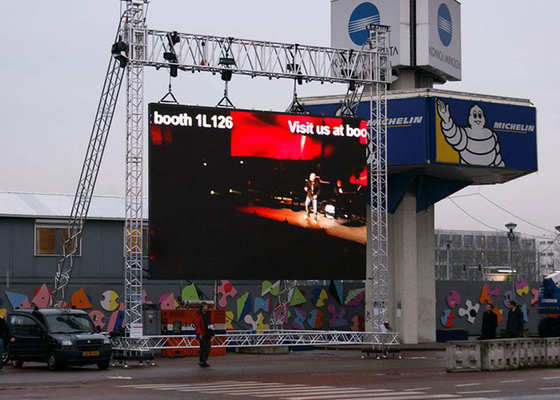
119, 51
172, 58
174, 38
226, 75
351, 86
227, 61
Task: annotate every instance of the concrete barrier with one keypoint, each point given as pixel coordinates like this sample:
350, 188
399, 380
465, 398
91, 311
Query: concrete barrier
511, 353
552, 352
492, 355
532, 353
463, 356
502, 354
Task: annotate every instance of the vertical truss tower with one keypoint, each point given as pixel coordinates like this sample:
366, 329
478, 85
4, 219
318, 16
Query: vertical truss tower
378, 43
136, 37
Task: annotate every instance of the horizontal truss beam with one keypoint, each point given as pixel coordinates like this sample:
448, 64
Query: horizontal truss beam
258, 58
259, 339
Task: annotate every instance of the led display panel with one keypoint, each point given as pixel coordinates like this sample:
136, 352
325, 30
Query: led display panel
237, 194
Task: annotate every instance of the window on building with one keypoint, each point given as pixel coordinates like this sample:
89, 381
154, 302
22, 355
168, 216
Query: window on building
50, 238
550, 254
468, 240
456, 241
542, 242
503, 240
480, 241
492, 242
443, 239
549, 242
135, 242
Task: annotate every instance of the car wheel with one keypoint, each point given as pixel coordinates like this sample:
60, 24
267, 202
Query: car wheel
17, 364
103, 364
52, 362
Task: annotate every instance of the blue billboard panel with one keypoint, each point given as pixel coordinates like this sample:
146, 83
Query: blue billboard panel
432, 131
482, 134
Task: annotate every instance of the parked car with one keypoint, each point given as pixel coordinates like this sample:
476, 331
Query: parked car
59, 337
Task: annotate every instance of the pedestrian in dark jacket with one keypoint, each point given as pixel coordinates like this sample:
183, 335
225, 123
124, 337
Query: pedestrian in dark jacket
489, 323
204, 332
4, 338
514, 326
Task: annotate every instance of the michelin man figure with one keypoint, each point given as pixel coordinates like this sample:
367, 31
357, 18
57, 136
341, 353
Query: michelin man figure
476, 144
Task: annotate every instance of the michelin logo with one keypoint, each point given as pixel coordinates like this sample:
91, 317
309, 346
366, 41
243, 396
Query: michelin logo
476, 144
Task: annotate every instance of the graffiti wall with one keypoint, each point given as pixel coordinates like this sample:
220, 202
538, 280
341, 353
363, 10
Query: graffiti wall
335, 306
460, 304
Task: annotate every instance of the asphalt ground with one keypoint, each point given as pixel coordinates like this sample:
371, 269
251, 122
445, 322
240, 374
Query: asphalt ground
301, 375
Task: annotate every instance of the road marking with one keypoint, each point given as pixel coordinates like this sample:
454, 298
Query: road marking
154, 385
260, 389
551, 377
550, 388
512, 381
266, 390
415, 389
365, 393
311, 389
468, 384
408, 397
232, 389
119, 377
479, 391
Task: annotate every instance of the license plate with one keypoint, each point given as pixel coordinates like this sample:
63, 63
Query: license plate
91, 353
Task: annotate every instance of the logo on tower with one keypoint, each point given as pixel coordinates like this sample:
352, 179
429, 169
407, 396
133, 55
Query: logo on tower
444, 24
363, 15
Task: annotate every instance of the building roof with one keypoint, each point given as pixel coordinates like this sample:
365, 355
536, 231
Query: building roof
49, 205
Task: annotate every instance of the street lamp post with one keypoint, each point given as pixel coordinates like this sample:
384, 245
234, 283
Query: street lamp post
511, 237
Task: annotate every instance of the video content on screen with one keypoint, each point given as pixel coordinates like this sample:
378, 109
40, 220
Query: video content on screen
237, 194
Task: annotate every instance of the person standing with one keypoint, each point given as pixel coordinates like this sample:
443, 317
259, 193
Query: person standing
4, 339
312, 189
204, 333
489, 323
514, 326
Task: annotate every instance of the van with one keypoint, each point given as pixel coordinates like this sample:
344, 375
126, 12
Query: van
59, 337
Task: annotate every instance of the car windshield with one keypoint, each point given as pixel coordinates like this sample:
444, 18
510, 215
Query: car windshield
69, 323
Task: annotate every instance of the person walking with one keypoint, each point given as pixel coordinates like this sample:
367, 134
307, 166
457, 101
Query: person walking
204, 333
514, 326
489, 323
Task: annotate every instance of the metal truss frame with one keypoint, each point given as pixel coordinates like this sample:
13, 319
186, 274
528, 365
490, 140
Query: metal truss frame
135, 36
379, 45
280, 312
368, 68
215, 54
88, 176
272, 338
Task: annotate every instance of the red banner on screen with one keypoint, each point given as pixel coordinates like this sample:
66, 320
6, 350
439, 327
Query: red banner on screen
270, 136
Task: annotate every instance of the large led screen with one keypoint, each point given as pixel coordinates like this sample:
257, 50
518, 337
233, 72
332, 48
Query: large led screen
256, 195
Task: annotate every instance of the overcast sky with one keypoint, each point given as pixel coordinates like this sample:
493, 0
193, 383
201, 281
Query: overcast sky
55, 55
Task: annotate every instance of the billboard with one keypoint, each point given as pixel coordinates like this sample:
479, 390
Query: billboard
438, 37
483, 134
255, 195
349, 19
480, 139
